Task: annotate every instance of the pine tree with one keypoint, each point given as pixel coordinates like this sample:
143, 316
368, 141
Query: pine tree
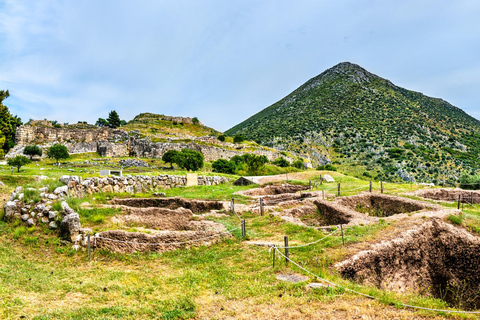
113, 119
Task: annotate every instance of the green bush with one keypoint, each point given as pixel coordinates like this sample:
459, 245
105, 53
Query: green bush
238, 139
281, 162
223, 166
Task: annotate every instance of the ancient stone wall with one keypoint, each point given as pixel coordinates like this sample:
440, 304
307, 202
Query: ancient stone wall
42, 134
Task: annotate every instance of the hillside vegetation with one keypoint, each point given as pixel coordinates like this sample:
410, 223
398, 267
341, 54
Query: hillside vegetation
351, 116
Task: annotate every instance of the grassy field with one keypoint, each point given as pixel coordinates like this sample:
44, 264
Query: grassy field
42, 277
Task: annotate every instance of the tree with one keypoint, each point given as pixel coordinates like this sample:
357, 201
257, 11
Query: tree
223, 166
281, 162
238, 139
221, 138
101, 122
18, 162
255, 164
189, 159
33, 150
8, 124
57, 152
113, 119
195, 120
170, 157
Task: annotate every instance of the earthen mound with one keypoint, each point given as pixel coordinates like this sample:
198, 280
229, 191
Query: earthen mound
196, 206
128, 242
437, 259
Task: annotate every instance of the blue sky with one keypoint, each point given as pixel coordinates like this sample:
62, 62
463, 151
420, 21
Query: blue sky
223, 61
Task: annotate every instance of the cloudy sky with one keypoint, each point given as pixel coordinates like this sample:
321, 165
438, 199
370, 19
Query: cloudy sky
222, 61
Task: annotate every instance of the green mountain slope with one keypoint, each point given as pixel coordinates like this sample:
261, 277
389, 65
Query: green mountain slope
356, 118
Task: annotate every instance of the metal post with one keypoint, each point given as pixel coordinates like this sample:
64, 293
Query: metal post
471, 198
286, 249
381, 186
341, 229
261, 206
339, 189
370, 186
243, 229
459, 199
233, 205
88, 240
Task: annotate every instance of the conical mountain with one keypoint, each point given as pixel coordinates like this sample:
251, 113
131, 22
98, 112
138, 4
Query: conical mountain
353, 117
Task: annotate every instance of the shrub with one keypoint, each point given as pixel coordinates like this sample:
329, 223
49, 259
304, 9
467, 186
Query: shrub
281, 162
298, 164
223, 166
238, 139
221, 138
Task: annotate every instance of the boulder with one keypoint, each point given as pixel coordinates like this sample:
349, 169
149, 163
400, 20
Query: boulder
70, 226
53, 225
328, 178
30, 222
61, 191
10, 209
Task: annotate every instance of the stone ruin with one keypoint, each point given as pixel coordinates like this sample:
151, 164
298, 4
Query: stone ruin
465, 196
436, 259
167, 224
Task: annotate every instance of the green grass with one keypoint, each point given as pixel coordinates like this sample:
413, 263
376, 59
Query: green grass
44, 278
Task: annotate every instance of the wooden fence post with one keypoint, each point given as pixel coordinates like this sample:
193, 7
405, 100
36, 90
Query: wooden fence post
370, 186
339, 189
233, 205
261, 206
459, 199
244, 231
343, 240
88, 240
286, 249
381, 186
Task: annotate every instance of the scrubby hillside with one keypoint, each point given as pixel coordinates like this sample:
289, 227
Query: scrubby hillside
355, 117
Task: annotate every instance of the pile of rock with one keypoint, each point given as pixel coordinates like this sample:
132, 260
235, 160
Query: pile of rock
132, 163
30, 214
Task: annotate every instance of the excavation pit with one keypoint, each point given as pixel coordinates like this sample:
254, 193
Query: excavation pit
169, 224
436, 259
381, 205
465, 196
196, 206
273, 190
368, 207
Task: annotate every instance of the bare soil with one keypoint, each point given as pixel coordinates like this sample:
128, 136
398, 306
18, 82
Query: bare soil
435, 258
196, 206
465, 196
273, 190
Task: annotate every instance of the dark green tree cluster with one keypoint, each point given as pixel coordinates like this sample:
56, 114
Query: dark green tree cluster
8, 125
113, 121
186, 159
250, 164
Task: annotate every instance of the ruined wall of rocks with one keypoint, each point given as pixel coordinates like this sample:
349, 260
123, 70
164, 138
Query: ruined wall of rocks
147, 149
27, 134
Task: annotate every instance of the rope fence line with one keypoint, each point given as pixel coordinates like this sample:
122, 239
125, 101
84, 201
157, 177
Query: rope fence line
311, 243
166, 243
369, 296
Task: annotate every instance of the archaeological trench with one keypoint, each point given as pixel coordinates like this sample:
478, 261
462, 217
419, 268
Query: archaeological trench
429, 256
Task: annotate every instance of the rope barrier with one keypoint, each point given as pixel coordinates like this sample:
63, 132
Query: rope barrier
309, 244
165, 243
369, 296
